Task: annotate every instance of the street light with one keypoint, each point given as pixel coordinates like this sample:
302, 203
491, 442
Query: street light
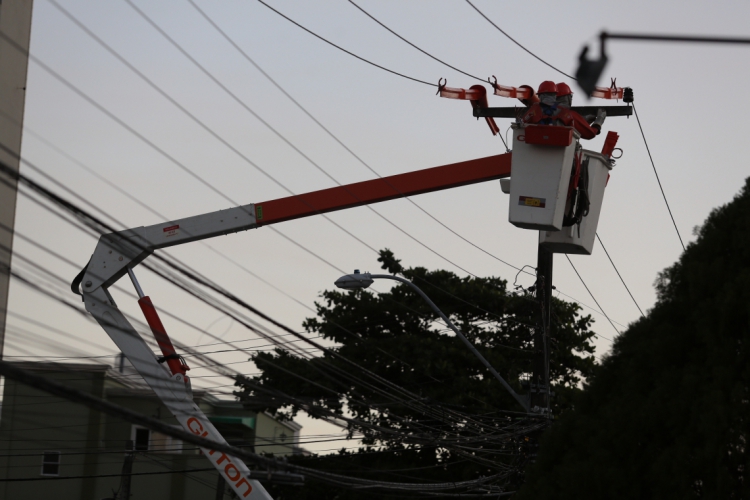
363, 280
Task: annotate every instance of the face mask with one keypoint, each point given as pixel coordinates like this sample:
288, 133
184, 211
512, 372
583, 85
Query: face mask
565, 101
548, 99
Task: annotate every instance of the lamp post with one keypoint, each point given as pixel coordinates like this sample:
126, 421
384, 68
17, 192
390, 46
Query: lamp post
363, 280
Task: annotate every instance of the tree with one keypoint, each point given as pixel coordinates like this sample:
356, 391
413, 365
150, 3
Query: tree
450, 406
666, 414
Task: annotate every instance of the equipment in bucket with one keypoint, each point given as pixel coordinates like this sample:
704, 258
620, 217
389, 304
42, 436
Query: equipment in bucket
557, 186
578, 202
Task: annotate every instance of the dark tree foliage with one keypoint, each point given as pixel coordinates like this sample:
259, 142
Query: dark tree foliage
395, 337
667, 414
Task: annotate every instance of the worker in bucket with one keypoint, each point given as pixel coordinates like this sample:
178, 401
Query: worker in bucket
564, 96
545, 111
565, 100
548, 112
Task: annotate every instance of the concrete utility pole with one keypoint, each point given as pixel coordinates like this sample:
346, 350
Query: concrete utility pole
127, 471
15, 23
539, 387
221, 487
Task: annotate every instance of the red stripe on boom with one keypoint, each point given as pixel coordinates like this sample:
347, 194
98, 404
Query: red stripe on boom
383, 189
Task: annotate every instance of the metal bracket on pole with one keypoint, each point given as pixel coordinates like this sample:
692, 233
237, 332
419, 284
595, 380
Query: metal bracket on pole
540, 377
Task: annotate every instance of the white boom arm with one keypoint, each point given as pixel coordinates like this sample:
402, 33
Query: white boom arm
115, 253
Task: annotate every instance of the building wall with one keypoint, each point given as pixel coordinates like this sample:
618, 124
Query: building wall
272, 436
34, 422
93, 444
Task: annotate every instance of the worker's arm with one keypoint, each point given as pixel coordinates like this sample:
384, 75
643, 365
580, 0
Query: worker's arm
582, 126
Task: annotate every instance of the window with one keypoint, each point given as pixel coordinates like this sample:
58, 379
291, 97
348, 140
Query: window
51, 463
141, 439
147, 440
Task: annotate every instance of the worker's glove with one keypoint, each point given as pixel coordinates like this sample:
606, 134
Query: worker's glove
600, 116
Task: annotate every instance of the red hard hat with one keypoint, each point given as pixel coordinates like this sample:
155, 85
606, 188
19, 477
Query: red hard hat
546, 87
563, 89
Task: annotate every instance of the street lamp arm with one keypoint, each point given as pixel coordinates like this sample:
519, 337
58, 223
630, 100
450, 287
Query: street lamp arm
460, 335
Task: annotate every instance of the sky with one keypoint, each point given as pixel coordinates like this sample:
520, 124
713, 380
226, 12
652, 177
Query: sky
393, 124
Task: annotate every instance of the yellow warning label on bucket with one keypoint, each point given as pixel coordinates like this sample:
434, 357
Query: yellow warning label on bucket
531, 202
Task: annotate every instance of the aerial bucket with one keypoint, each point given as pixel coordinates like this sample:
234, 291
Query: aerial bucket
579, 238
540, 171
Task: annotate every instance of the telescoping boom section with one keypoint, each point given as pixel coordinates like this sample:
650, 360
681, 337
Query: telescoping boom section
116, 254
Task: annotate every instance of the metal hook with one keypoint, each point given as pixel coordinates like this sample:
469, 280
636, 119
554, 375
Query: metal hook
441, 86
494, 85
613, 86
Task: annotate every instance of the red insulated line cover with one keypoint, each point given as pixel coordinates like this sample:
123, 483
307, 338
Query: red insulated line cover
609, 143
383, 189
160, 334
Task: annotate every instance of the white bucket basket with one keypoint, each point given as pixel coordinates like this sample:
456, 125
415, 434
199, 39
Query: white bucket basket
575, 239
540, 171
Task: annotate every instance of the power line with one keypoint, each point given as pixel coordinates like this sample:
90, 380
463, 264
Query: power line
591, 294
657, 177
619, 275
109, 114
344, 50
185, 472
517, 42
419, 49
